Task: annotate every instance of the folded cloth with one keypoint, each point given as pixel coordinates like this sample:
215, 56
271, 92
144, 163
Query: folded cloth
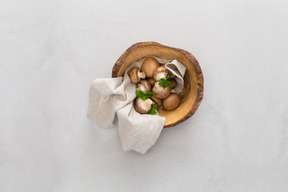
112, 98
177, 69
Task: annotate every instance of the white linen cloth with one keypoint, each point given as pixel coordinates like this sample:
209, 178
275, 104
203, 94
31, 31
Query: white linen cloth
112, 98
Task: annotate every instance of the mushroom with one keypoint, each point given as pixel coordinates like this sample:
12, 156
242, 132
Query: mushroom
151, 81
144, 86
173, 91
135, 75
149, 65
174, 83
160, 73
172, 76
171, 102
160, 92
142, 106
157, 101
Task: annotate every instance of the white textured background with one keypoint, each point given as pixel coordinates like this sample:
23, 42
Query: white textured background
51, 50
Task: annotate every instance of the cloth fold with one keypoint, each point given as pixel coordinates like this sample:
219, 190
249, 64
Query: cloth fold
112, 98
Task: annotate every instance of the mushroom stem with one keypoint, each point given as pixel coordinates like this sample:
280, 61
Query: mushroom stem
141, 87
161, 75
142, 106
160, 92
157, 87
135, 75
173, 91
144, 86
141, 75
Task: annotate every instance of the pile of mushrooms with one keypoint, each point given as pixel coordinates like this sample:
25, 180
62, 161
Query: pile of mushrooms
155, 87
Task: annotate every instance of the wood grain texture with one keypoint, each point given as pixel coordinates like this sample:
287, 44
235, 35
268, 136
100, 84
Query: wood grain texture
193, 92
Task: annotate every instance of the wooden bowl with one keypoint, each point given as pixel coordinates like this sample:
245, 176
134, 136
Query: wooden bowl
192, 94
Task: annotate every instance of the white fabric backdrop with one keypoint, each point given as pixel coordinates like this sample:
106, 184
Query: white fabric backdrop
51, 50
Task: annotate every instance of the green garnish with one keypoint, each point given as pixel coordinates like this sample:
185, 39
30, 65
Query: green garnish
165, 82
153, 110
169, 77
142, 95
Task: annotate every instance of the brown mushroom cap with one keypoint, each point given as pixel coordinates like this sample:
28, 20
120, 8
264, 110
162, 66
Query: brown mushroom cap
142, 106
135, 75
162, 68
144, 86
160, 73
160, 92
174, 83
171, 102
149, 65
157, 101
151, 81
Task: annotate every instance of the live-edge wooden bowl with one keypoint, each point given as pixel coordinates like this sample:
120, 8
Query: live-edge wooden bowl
192, 94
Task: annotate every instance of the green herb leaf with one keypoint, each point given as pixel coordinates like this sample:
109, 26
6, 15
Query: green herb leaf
165, 83
169, 77
153, 110
139, 93
142, 95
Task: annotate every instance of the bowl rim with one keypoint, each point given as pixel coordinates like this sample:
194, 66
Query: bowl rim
190, 56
